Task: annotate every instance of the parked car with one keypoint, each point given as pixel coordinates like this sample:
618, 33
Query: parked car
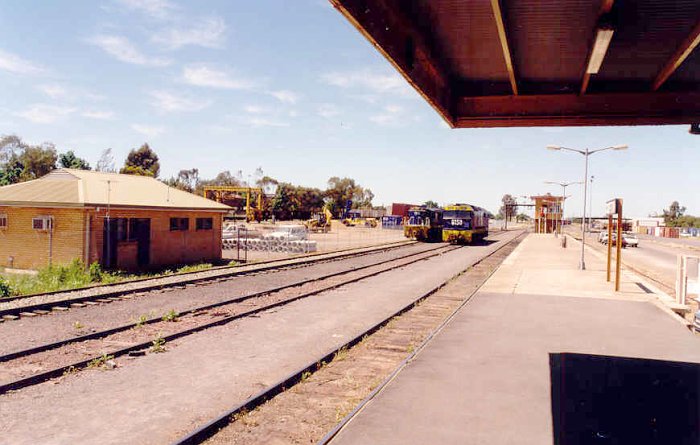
603, 237
289, 232
630, 239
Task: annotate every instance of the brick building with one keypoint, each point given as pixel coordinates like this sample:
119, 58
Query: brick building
121, 221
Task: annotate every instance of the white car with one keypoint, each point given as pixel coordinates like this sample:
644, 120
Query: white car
630, 239
290, 233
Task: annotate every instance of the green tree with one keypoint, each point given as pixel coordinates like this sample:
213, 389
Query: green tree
143, 162
341, 190
284, 203
187, 180
70, 160
431, 204
37, 160
508, 209
673, 212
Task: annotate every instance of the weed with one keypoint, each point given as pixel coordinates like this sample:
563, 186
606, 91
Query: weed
99, 362
158, 344
5, 288
305, 375
171, 316
71, 370
233, 263
194, 268
78, 325
341, 354
410, 348
141, 320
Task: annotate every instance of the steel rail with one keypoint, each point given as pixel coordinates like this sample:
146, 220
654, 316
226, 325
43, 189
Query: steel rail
331, 255
125, 327
209, 429
57, 372
112, 295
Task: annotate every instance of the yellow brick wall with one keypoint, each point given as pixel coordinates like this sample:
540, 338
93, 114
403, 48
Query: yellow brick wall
29, 248
167, 248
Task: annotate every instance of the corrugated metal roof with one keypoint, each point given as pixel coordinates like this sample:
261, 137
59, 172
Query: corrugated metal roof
647, 34
77, 188
467, 37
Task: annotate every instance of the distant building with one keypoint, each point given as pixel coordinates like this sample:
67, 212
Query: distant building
121, 221
548, 212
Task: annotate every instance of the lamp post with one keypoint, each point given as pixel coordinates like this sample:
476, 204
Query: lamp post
590, 206
563, 185
586, 153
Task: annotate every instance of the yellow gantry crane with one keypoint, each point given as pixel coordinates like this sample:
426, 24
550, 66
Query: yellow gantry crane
216, 192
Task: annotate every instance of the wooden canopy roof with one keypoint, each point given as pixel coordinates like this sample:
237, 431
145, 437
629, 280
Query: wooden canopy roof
491, 63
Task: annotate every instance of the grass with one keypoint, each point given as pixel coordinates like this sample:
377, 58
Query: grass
100, 362
171, 316
158, 344
75, 275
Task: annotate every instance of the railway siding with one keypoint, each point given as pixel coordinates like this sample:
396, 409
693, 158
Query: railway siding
160, 396
10, 308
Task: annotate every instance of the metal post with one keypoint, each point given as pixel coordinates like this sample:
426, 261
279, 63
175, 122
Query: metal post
610, 222
590, 206
238, 244
245, 251
583, 217
619, 247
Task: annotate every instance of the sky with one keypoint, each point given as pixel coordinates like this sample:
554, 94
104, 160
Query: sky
291, 87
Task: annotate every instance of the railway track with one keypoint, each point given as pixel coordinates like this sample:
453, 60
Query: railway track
95, 296
211, 428
227, 311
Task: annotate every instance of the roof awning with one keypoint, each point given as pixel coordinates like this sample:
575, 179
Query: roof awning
508, 63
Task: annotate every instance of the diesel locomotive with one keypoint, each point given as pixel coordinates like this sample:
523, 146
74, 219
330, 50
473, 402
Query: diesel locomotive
423, 224
464, 223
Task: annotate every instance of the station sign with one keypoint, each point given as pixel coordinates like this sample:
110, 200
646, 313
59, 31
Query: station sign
613, 206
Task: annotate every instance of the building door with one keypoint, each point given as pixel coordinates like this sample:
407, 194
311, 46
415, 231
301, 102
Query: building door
109, 243
143, 241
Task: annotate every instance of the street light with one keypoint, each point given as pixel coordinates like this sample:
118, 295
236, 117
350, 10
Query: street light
586, 152
564, 185
590, 207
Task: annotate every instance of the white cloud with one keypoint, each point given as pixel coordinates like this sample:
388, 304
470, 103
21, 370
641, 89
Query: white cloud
254, 109
207, 32
17, 65
71, 94
327, 111
54, 91
285, 96
205, 76
384, 83
45, 114
97, 114
158, 9
148, 130
122, 49
170, 102
262, 122
391, 115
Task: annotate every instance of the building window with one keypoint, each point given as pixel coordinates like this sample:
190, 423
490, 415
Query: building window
179, 224
3, 221
205, 223
42, 223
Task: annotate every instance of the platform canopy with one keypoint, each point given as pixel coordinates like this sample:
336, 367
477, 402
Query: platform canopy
508, 63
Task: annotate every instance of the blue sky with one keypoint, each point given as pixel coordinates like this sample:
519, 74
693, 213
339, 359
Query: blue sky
293, 88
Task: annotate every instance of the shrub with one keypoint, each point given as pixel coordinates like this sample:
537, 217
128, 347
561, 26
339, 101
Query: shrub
95, 272
5, 288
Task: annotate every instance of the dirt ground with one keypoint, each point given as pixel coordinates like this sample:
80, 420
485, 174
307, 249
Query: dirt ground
340, 237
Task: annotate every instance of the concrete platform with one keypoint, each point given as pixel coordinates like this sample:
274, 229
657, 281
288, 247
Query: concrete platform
501, 371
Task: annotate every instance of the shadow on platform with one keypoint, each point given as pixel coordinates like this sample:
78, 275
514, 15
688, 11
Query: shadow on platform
614, 400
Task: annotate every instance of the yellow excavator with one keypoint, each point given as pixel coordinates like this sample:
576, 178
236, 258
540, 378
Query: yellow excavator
320, 222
